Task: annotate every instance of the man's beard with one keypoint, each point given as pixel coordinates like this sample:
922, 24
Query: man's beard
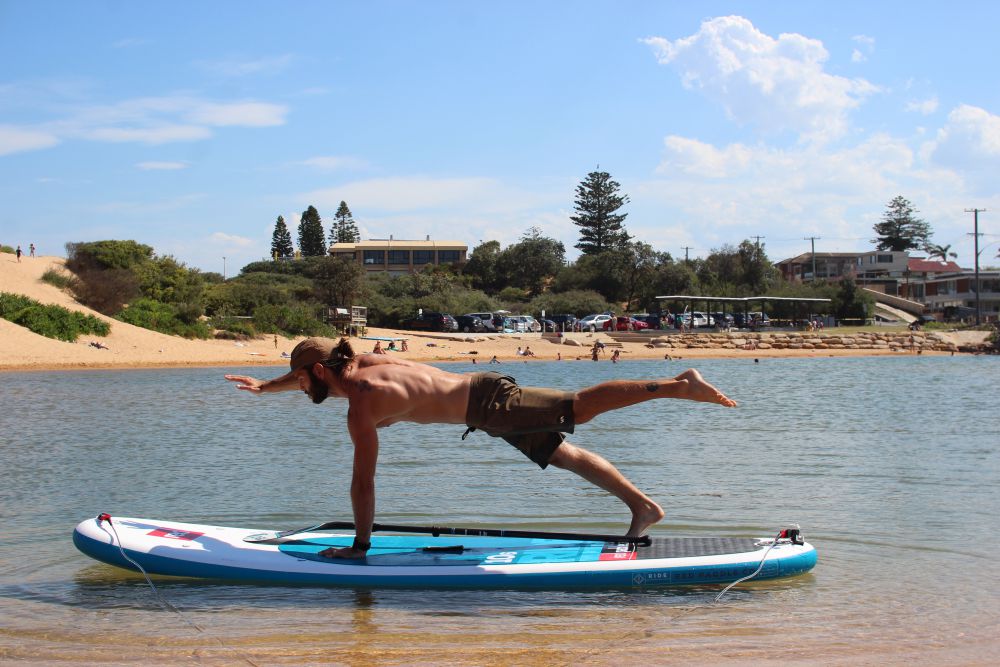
318, 391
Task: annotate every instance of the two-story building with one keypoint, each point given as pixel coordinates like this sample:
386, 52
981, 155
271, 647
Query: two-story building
401, 256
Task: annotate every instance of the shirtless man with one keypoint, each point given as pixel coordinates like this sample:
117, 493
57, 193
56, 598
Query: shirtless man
384, 390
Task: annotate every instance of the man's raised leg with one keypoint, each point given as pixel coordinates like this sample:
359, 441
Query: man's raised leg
601, 398
598, 471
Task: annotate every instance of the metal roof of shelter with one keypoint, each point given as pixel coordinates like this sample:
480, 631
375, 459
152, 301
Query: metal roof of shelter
744, 299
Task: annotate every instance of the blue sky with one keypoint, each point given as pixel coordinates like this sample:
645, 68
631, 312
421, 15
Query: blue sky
192, 126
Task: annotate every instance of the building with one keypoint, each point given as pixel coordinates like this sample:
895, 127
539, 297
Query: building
401, 256
880, 270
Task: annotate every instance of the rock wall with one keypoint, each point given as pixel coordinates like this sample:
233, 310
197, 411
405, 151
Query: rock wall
899, 341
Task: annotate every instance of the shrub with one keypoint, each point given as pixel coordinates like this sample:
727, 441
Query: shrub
50, 321
6, 248
162, 317
57, 278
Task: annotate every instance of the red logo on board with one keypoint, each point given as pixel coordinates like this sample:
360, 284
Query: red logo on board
175, 534
618, 551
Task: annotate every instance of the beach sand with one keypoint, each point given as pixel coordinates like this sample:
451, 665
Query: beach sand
134, 347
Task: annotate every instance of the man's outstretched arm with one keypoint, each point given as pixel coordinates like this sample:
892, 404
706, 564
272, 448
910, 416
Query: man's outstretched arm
286, 382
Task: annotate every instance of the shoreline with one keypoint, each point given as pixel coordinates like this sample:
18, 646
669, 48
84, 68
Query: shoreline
129, 347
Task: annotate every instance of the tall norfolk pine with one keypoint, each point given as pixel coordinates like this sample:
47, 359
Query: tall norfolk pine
312, 239
596, 205
281, 240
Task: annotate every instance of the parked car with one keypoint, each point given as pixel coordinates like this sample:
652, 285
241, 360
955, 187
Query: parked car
492, 321
431, 321
526, 323
702, 319
723, 320
549, 325
564, 322
470, 324
629, 324
595, 322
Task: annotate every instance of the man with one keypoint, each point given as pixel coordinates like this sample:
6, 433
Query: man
383, 390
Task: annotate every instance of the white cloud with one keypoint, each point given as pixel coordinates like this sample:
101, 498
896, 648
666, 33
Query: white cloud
231, 240
332, 162
776, 84
161, 166
858, 57
18, 139
148, 135
925, 107
970, 143
242, 114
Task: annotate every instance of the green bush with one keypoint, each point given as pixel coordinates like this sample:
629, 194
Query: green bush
162, 317
239, 329
296, 319
50, 321
6, 248
57, 278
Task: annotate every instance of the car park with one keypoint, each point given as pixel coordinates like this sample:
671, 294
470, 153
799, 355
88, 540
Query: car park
549, 325
430, 321
723, 320
630, 324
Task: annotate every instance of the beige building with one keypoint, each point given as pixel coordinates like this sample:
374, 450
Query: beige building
399, 256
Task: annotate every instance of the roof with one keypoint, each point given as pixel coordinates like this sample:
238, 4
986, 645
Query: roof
807, 257
921, 265
378, 244
695, 297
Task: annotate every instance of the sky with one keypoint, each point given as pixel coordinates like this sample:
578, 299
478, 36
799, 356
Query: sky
192, 126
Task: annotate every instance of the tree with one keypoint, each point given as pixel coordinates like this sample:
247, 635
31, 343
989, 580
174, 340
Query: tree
597, 202
899, 230
344, 229
482, 267
281, 240
338, 281
942, 251
532, 262
312, 240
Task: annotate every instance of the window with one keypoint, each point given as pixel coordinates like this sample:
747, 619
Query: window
399, 256
447, 256
885, 259
374, 257
423, 256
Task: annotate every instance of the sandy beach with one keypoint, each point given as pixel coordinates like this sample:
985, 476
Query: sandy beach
134, 347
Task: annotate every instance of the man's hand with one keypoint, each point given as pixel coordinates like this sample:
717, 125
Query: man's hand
246, 383
345, 552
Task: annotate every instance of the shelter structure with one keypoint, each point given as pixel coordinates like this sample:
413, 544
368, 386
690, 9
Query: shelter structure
743, 304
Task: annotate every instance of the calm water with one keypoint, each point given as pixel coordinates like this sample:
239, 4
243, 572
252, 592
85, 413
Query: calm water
889, 464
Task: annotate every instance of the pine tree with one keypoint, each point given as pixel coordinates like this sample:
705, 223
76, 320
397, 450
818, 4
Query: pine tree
597, 201
281, 240
899, 230
344, 229
312, 240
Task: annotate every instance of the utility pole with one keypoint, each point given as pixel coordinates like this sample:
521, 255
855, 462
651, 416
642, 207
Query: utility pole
976, 235
686, 248
813, 240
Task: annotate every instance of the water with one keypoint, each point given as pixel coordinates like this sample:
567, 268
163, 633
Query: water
889, 464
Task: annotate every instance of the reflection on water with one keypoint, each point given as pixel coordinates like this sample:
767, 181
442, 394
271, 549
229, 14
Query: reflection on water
889, 464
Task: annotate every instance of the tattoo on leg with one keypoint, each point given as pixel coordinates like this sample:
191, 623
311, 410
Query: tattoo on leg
652, 387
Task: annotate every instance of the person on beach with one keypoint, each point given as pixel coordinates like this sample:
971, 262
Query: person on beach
382, 391
18, 253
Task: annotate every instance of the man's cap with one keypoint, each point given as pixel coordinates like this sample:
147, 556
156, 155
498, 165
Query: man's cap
312, 350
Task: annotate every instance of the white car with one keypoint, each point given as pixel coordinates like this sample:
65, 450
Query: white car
703, 320
594, 323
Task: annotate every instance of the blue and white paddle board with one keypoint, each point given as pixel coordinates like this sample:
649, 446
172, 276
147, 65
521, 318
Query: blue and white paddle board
424, 561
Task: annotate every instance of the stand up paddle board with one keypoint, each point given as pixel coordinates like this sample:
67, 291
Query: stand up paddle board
475, 559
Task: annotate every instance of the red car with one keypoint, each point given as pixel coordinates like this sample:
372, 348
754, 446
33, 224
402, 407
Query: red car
630, 324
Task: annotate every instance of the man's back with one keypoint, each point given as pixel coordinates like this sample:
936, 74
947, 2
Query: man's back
385, 390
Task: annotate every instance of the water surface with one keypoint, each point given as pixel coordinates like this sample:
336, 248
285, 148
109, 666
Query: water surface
890, 465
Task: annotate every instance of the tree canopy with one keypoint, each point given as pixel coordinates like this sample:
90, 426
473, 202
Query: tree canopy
597, 203
899, 229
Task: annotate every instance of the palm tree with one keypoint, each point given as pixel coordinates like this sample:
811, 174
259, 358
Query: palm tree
942, 251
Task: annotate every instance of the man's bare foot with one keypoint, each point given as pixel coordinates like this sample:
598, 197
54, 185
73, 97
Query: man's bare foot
700, 390
643, 518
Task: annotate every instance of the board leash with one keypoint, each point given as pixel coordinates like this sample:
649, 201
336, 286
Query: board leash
790, 532
105, 517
